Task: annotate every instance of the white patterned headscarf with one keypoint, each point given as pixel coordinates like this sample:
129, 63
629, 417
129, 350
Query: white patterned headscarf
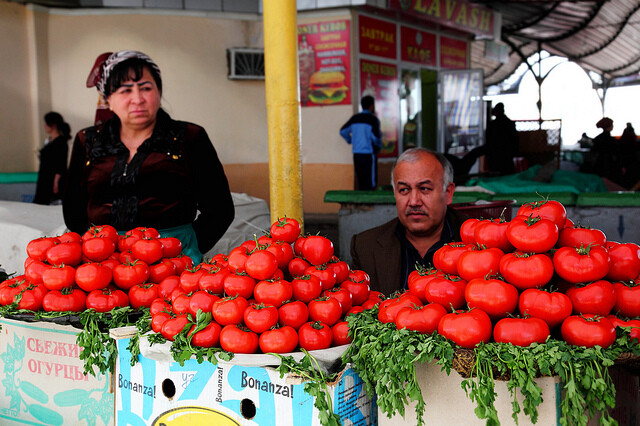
116, 58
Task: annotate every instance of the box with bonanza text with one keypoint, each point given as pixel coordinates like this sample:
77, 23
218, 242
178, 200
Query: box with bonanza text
42, 380
155, 392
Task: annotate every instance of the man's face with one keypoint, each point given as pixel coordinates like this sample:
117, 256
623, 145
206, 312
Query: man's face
420, 199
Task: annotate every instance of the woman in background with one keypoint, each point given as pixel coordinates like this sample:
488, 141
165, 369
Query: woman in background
53, 160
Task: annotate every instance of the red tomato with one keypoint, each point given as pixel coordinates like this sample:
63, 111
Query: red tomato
588, 330
174, 326
180, 303
59, 277
317, 249
30, 296
208, 337
493, 233
354, 310
105, 299
69, 253
466, 328
341, 334
98, 249
167, 286
159, 305
390, 308
521, 331
182, 262
212, 280
147, 250
297, 266
273, 292
306, 288
447, 291
261, 264
287, 254
201, 301
627, 299
93, 276
496, 297
190, 278
633, 324
67, 299
358, 283
326, 275
340, 268
161, 270
229, 310
37, 249
293, 314
142, 295
419, 279
70, 237
126, 241
239, 283
546, 209
342, 295
446, 257
158, 320
598, 298
110, 263
468, 231
278, 340
127, 275
624, 262
150, 233
285, 229
315, 335
479, 262
532, 235
239, 340
102, 231
259, 318
171, 246
526, 270
423, 319
237, 259
552, 307
577, 236
581, 265
326, 310
34, 271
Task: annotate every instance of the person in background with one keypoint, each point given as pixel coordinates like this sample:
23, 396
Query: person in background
362, 131
53, 160
502, 142
604, 152
142, 168
423, 188
628, 152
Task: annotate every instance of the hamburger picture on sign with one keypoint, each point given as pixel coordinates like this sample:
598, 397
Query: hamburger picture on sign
324, 58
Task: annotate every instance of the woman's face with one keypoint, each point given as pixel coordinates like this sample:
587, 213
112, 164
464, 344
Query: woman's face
136, 103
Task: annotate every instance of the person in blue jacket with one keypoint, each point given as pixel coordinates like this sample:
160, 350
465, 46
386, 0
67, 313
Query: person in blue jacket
362, 131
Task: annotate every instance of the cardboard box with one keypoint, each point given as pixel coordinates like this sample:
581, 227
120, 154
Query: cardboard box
42, 380
155, 392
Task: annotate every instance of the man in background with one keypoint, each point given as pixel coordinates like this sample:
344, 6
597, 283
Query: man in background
423, 188
502, 142
362, 131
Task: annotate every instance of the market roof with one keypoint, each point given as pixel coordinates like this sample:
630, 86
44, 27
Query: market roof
599, 35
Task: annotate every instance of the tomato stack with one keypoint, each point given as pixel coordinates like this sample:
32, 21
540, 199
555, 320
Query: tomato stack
524, 280
275, 293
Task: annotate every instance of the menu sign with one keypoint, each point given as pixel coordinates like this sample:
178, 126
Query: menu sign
417, 46
324, 63
453, 53
377, 37
380, 80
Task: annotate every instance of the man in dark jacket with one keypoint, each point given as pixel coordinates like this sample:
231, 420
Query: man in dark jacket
423, 188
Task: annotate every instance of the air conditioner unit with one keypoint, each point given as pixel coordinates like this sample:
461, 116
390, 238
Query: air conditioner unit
245, 63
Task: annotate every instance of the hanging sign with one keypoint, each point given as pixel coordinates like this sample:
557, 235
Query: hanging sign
417, 46
377, 37
453, 53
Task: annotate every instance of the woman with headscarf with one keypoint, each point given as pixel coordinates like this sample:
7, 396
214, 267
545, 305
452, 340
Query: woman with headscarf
53, 160
142, 168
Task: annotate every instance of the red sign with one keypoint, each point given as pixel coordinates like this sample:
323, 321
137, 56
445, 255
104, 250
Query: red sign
459, 14
453, 53
380, 80
324, 62
417, 46
377, 37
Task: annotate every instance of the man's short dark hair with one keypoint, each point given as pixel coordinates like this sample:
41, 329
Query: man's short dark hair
367, 101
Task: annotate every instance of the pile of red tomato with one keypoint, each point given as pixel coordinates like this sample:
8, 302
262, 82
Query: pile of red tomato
521, 281
275, 293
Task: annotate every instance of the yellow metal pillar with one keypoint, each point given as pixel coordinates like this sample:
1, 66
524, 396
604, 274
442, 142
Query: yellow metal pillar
283, 108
